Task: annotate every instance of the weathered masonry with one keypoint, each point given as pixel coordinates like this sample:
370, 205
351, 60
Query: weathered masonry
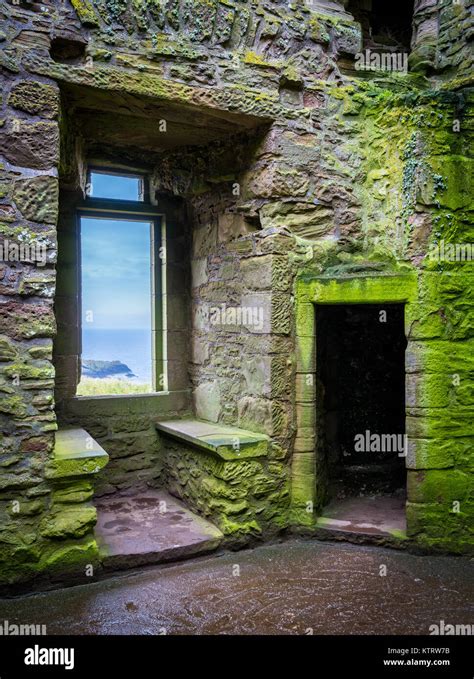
300, 198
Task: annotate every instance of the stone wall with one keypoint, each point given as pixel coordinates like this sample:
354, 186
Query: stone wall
125, 428
246, 499
338, 173
441, 36
30, 147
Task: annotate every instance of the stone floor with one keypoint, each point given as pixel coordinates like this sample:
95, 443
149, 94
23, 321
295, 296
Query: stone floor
378, 515
288, 588
150, 526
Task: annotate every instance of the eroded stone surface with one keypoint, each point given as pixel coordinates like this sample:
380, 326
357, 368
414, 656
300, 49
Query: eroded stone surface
150, 526
281, 589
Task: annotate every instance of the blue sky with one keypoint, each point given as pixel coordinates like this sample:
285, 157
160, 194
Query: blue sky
116, 273
113, 186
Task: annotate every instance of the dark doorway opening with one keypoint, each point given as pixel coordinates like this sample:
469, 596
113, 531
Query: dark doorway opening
392, 22
361, 400
384, 24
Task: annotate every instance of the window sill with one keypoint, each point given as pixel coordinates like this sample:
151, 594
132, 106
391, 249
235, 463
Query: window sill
101, 397
155, 404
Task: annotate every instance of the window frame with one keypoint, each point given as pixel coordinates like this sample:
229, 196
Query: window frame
139, 211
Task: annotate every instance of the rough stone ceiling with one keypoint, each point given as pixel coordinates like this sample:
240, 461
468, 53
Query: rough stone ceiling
119, 119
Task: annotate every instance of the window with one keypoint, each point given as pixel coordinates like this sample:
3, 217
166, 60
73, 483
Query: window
115, 186
121, 323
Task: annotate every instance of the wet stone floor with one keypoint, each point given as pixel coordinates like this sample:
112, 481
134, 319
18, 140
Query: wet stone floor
293, 587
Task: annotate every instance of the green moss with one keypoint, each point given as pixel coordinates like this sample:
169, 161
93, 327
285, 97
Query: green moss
29, 372
317, 30
18, 562
70, 558
234, 529
85, 12
257, 60
13, 405
75, 467
73, 493
449, 184
362, 288
26, 508
8, 351
35, 98
398, 534
441, 486
68, 522
436, 527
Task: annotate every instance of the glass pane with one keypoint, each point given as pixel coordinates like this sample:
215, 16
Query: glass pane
115, 186
116, 307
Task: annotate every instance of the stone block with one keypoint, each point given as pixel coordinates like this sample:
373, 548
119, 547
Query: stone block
75, 493
305, 390
443, 486
8, 349
428, 391
305, 355
258, 312
435, 453
73, 522
305, 319
31, 145
305, 417
200, 351
255, 414
205, 240
304, 219
199, 272
257, 375
304, 444
231, 226
282, 313
207, 400
35, 98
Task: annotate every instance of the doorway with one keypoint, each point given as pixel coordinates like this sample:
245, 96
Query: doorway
360, 358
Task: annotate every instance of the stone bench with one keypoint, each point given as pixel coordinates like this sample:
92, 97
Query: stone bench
227, 475
71, 518
227, 443
75, 453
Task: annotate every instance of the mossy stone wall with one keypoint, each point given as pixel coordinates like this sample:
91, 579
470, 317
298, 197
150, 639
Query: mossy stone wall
347, 174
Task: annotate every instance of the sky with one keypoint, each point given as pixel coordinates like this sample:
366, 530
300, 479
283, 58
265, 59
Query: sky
112, 186
115, 266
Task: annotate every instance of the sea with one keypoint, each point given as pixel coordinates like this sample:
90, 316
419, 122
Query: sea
132, 347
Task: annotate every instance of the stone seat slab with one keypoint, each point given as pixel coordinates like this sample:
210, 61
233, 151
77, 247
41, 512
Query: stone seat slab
149, 526
228, 443
75, 453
